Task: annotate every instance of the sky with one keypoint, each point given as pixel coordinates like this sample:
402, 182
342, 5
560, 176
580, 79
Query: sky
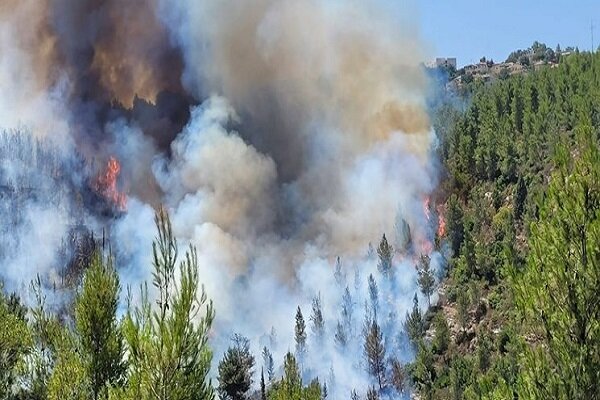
468, 29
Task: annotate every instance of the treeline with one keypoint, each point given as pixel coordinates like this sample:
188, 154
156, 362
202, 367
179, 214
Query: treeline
159, 348
523, 221
156, 351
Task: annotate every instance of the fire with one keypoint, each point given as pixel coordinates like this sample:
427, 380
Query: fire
441, 231
441, 223
106, 184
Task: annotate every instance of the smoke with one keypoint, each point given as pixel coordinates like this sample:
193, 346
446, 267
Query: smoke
279, 134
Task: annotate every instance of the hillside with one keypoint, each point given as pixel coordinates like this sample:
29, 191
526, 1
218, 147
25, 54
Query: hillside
519, 311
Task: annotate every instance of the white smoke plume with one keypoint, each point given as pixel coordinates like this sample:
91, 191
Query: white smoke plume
305, 138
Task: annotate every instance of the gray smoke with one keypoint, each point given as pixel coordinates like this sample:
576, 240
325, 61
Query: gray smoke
279, 134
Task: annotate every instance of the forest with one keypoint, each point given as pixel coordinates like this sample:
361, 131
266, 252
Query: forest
517, 313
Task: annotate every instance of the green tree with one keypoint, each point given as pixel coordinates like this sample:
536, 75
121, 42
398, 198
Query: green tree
15, 344
454, 224
317, 320
347, 311
558, 291
385, 253
441, 339
268, 363
414, 323
168, 344
263, 387
99, 334
47, 332
373, 295
484, 351
300, 335
462, 308
426, 278
424, 374
290, 386
460, 377
70, 378
235, 370
519, 198
340, 336
374, 351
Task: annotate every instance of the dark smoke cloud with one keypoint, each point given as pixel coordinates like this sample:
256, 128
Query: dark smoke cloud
280, 134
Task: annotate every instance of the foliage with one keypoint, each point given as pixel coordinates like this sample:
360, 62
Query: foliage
235, 370
557, 293
441, 340
414, 323
300, 334
100, 338
317, 320
268, 363
375, 353
519, 160
168, 346
15, 343
426, 279
290, 386
385, 252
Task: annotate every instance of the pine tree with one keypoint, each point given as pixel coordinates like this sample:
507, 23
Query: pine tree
168, 343
426, 278
96, 323
340, 336
372, 394
370, 251
520, 198
373, 295
235, 370
414, 323
317, 320
347, 311
462, 309
290, 386
454, 224
403, 237
557, 293
424, 371
385, 252
397, 378
15, 343
263, 388
375, 353
441, 339
338, 274
300, 335
70, 378
354, 395
268, 363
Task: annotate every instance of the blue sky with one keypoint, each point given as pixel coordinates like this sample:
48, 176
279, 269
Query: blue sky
469, 29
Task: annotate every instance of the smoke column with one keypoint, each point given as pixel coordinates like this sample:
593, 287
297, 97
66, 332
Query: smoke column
279, 134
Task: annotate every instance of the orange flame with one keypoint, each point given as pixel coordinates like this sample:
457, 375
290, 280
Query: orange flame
106, 184
441, 231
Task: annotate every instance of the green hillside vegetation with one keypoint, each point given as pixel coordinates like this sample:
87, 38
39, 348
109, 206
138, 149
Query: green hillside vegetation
523, 207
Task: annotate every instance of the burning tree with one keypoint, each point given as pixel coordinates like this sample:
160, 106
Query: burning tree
106, 184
